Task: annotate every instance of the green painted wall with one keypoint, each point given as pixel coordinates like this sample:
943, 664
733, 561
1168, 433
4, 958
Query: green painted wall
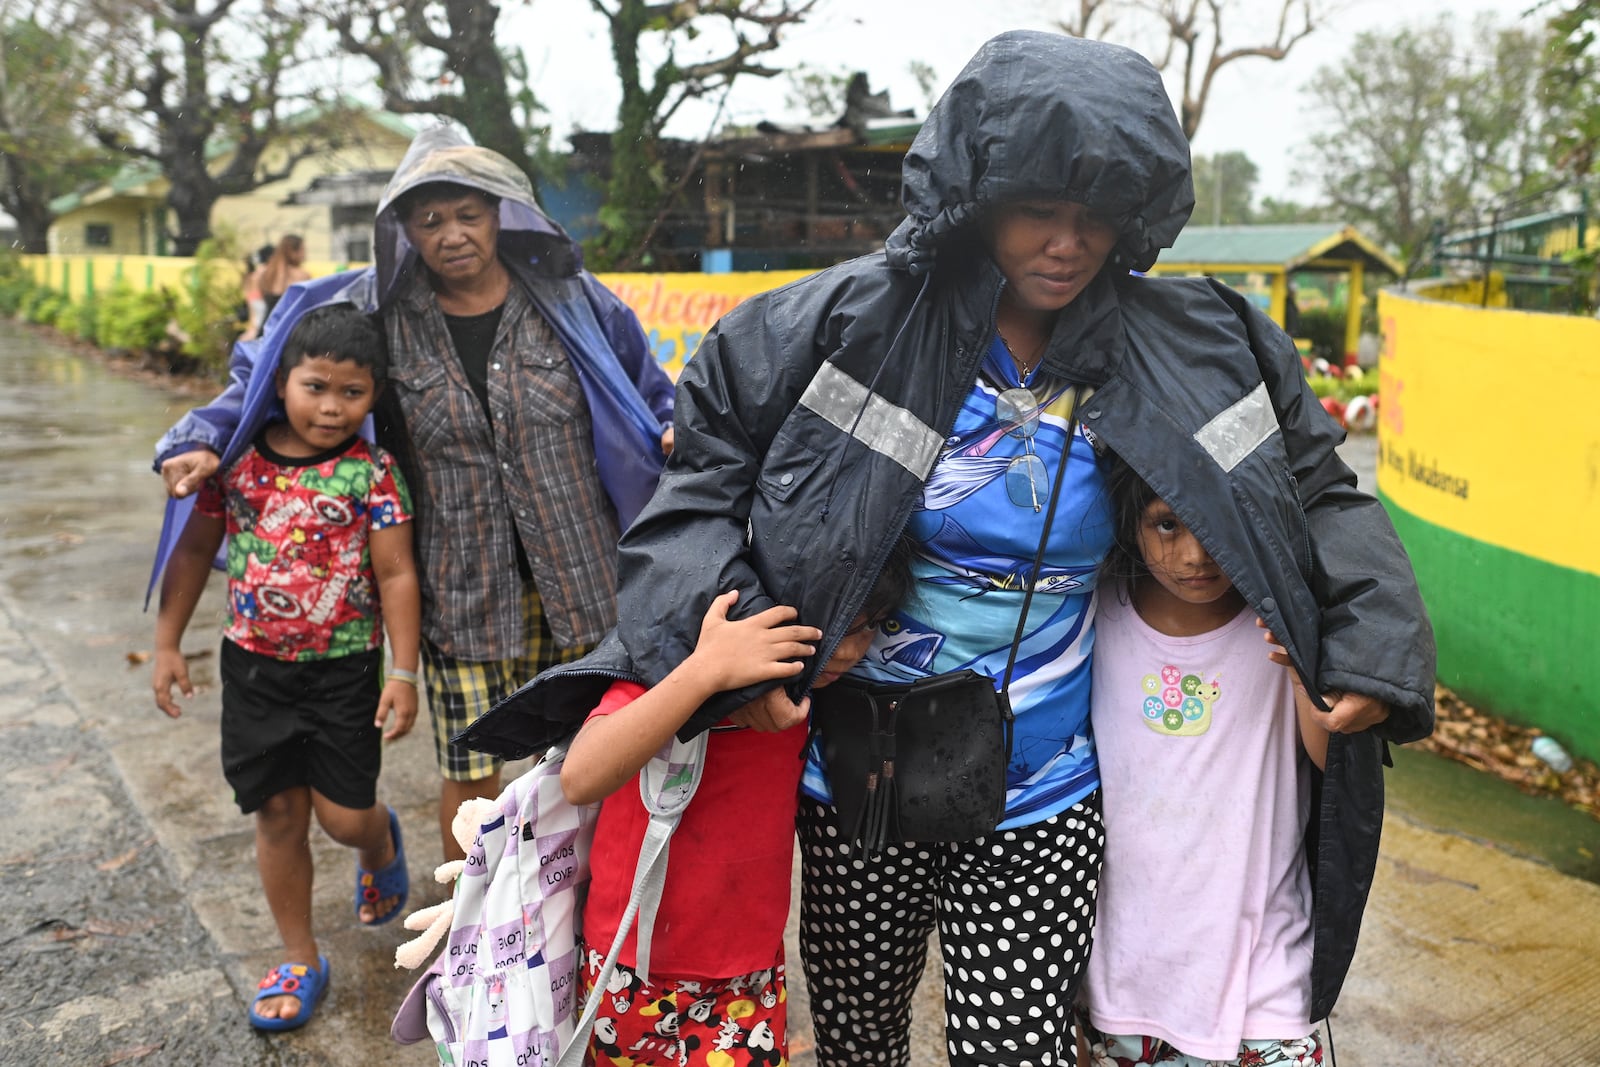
1515, 634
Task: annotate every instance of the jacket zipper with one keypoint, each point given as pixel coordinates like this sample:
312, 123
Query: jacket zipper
881, 556
441, 1009
1305, 526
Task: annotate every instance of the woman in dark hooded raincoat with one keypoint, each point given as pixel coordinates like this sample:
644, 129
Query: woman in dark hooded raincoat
926, 389
527, 412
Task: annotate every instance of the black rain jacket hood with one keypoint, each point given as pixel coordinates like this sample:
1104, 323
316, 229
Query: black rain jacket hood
1041, 116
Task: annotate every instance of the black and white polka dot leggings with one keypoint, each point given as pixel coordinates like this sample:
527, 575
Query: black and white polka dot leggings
1015, 911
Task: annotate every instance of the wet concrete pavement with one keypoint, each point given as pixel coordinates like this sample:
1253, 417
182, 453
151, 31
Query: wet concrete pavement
132, 921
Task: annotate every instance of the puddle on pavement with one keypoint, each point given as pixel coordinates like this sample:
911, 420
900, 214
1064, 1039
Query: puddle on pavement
75, 442
1443, 794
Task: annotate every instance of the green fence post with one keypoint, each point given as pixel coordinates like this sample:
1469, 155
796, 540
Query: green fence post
88, 279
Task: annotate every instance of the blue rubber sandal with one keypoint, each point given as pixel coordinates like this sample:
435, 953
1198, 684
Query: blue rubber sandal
292, 980
391, 881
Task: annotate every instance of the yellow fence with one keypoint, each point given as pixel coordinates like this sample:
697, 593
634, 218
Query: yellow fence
675, 310
1487, 424
1489, 461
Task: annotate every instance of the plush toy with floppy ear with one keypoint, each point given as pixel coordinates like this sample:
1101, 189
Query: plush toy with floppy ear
434, 922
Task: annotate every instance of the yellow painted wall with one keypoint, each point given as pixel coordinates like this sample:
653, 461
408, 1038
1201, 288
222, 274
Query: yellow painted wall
676, 310
260, 218
1488, 425
1489, 462
1468, 291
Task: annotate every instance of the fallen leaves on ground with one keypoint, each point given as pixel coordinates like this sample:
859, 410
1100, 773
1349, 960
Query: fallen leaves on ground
137, 1052
1501, 748
118, 862
64, 931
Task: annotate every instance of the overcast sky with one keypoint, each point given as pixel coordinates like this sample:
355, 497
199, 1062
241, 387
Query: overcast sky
1256, 106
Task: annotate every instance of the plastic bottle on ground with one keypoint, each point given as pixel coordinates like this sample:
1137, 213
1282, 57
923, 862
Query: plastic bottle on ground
1550, 751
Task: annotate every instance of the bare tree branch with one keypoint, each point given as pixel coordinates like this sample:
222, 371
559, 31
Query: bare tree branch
1195, 31
202, 78
1083, 24
750, 29
418, 45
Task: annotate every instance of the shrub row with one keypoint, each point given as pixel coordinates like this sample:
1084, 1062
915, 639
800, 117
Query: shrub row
192, 329
1345, 388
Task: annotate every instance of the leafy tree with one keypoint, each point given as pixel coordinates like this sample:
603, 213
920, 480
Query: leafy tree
928, 84
1571, 84
1271, 211
209, 82
654, 90
1571, 94
44, 150
818, 91
440, 57
1224, 187
1191, 36
1417, 134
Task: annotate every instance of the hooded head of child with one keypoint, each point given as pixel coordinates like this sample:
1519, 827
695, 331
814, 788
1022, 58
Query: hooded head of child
889, 594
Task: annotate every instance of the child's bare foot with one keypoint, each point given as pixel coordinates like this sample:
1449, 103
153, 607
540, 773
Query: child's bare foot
283, 1008
289, 994
382, 881
375, 913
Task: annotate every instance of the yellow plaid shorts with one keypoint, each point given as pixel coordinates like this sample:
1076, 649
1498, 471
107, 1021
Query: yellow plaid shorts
459, 690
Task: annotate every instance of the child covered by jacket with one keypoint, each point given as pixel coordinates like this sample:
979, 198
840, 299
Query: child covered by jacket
1207, 743
716, 982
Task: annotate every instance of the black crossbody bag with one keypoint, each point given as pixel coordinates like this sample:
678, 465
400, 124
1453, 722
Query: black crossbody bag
925, 761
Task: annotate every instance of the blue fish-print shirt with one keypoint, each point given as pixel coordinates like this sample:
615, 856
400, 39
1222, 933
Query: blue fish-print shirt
977, 531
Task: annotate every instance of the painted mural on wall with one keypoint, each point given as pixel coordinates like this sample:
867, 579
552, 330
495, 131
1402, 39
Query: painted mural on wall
676, 310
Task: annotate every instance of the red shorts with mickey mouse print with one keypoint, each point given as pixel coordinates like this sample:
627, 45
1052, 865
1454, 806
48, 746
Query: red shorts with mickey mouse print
683, 1022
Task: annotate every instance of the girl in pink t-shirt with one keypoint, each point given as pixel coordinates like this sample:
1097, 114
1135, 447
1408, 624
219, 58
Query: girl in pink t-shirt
1202, 949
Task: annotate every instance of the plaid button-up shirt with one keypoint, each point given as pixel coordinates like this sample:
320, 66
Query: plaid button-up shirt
480, 487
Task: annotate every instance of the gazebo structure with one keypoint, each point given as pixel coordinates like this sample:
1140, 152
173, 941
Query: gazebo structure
1276, 252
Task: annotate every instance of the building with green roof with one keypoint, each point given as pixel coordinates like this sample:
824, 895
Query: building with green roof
127, 215
1259, 260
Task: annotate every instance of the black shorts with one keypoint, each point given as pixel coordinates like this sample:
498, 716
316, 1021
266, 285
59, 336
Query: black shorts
301, 724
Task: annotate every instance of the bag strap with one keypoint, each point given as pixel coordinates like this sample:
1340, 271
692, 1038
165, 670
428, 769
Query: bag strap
1038, 556
666, 785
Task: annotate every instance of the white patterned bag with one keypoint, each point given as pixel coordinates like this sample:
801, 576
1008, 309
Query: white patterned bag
503, 989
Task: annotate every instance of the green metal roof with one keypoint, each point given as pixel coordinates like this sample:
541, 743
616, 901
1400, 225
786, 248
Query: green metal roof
1302, 246
890, 133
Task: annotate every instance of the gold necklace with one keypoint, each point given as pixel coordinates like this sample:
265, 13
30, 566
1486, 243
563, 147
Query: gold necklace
1025, 369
